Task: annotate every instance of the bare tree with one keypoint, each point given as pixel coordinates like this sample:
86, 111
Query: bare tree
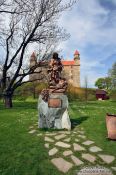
27, 23
13, 6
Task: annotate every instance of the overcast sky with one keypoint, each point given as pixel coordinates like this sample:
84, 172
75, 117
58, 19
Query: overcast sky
92, 25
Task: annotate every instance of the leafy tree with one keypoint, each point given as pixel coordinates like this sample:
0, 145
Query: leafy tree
112, 74
103, 83
108, 83
100, 83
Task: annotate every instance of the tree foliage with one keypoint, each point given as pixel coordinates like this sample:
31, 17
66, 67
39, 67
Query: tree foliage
109, 82
112, 75
103, 83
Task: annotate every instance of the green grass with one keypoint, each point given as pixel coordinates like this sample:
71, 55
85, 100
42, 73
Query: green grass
24, 154
91, 116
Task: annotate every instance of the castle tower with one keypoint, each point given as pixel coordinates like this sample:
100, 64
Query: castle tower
76, 69
76, 56
33, 59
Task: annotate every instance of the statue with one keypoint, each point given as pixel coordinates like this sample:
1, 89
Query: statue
56, 82
53, 102
55, 68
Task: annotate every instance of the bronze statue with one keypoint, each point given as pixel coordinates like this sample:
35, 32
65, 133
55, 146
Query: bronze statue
55, 68
57, 84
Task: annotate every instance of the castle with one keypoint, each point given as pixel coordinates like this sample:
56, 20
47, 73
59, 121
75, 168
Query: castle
71, 70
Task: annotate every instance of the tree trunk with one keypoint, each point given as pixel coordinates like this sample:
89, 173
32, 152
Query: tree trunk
8, 100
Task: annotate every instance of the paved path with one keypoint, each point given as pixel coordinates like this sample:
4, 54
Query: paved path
72, 148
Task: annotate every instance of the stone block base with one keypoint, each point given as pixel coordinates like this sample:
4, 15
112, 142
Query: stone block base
54, 115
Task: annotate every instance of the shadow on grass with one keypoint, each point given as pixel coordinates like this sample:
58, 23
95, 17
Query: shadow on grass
78, 121
113, 101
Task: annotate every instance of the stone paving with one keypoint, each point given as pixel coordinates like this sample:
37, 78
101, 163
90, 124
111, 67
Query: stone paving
68, 149
62, 164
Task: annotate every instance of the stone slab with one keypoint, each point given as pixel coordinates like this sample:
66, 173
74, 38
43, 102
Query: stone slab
63, 145
31, 127
77, 147
114, 168
67, 153
95, 149
107, 158
76, 160
74, 132
46, 145
67, 140
60, 136
81, 136
53, 151
36, 124
62, 165
32, 131
89, 157
39, 134
81, 132
76, 140
82, 128
47, 139
88, 142
50, 134
64, 132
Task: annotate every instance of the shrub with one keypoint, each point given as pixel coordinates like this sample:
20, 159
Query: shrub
112, 94
29, 90
80, 93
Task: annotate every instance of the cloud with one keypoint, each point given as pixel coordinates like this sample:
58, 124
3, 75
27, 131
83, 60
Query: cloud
92, 27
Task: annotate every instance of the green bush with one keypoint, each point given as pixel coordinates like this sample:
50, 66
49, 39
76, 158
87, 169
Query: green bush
80, 93
112, 94
91, 97
29, 90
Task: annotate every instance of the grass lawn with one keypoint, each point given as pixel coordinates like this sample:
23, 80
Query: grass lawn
22, 153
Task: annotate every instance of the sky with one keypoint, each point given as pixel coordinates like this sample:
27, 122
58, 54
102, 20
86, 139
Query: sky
92, 26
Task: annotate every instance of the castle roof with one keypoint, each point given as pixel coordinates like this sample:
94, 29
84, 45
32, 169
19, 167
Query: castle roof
101, 91
33, 54
76, 52
68, 62
33, 57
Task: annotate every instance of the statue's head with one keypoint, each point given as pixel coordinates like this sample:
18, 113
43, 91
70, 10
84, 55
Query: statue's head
55, 56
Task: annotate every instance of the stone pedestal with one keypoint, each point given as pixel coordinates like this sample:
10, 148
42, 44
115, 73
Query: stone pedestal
54, 113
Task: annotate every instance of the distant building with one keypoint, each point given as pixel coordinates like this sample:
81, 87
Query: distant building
101, 94
71, 69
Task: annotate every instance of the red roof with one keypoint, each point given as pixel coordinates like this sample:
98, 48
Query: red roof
33, 57
76, 53
68, 62
101, 91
